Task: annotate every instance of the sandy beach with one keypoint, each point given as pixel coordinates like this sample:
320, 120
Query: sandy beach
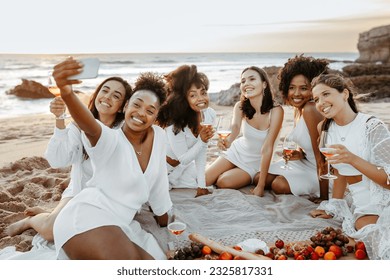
27, 180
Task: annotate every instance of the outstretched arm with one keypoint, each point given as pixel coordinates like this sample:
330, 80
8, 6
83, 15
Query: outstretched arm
80, 113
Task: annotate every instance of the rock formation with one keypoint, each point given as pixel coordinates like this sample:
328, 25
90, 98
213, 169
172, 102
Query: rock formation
30, 89
374, 45
370, 73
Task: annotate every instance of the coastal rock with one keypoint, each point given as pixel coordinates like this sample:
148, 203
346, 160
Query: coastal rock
374, 45
226, 97
371, 80
30, 89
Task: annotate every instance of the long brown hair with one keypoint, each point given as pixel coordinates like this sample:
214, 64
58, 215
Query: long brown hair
268, 99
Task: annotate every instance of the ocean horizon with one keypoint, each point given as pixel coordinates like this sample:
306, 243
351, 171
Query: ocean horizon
222, 69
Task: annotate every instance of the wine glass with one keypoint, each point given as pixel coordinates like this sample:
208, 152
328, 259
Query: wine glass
52, 87
289, 146
224, 128
177, 228
328, 153
206, 121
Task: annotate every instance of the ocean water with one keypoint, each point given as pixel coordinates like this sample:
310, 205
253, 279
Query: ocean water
222, 69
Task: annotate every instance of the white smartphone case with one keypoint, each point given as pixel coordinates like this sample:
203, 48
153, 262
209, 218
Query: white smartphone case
90, 69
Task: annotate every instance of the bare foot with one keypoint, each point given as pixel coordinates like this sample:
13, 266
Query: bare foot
202, 191
32, 211
17, 227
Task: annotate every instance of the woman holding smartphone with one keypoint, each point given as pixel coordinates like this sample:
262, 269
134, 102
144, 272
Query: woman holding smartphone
65, 148
129, 170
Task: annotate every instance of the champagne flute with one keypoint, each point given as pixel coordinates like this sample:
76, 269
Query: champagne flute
328, 153
224, 128
289, 146
177, 228
52, 87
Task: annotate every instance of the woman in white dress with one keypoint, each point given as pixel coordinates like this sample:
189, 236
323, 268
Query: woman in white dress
65, 148
252, 152
303, 177
361, 162
186, 137
128, 170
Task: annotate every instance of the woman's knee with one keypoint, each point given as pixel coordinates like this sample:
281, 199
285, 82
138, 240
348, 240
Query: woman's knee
280, 185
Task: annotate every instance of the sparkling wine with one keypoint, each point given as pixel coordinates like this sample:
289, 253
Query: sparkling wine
177, 232
223, 134
288, 151
54, 90
208, 125
327, 152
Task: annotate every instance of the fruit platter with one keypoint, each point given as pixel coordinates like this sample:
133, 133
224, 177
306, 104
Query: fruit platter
325, 244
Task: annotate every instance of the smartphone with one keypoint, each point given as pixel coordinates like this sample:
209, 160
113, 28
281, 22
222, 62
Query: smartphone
90, 69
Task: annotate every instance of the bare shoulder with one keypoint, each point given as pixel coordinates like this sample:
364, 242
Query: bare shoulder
277, 110
309, 109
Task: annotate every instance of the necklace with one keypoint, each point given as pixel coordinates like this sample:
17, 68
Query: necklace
140, 151
337, 128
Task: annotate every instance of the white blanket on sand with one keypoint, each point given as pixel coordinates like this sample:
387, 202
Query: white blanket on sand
227, 216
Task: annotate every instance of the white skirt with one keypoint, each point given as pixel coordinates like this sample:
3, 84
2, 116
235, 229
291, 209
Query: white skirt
78, 217
302, 178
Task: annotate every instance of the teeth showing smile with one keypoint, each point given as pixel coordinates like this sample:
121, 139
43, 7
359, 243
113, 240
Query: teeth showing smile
202, 105
137, 120
297, 100
105, 104
326, 109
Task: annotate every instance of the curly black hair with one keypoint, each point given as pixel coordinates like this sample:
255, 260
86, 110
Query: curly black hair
307, 66
268, 100
153, 82
177, 111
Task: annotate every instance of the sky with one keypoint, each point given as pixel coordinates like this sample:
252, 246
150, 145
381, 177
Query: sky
142, 26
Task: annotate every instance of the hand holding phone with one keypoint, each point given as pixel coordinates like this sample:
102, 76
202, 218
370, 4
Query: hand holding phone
90, 69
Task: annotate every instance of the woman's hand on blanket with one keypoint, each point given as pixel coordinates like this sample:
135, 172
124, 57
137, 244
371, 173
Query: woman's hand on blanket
316, 200
259, 191
320, 214
202, 191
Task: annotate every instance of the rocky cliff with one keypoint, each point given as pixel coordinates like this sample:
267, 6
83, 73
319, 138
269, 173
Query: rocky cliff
374, 45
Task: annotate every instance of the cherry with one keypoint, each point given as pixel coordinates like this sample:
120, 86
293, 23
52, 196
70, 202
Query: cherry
279, 243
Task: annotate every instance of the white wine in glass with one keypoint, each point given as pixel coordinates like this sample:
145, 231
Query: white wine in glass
328, 153
177, 228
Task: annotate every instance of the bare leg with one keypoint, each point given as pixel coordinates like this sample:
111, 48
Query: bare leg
219, 166
32, 211
42, 222
280, 185
104, 243
365, 220
233, 179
